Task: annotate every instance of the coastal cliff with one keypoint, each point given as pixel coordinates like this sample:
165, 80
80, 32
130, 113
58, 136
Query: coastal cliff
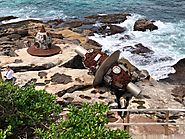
64, 75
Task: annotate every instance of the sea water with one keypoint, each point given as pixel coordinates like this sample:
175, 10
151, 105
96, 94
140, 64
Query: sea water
168, 42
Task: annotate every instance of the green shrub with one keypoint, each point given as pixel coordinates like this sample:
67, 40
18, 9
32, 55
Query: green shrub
87, 122
4, 134
25, 109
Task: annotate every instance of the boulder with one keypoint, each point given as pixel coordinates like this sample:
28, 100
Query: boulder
144, 24
107, 29
138, 49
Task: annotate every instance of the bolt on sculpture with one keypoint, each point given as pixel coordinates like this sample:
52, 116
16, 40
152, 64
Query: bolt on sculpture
42, 45
107, 69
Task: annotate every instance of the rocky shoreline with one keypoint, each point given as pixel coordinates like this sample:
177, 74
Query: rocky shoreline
65, 76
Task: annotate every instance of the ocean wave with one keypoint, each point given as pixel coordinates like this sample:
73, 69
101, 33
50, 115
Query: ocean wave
167, 44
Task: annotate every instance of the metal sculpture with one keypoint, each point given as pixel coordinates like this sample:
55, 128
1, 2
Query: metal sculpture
107, 69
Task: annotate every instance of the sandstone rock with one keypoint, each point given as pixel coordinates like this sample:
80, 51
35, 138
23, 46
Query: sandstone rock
177, 78
159, 96
144, 24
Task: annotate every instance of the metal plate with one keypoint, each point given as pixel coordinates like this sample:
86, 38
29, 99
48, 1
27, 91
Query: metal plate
104, 67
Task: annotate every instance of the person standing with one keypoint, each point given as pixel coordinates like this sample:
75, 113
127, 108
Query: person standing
9, 74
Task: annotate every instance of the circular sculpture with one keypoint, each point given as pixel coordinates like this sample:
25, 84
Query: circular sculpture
42, 45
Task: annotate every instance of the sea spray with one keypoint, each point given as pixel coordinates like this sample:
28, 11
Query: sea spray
166, 43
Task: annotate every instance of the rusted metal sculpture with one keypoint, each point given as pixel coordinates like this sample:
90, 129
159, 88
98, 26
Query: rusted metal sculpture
42, 45
107, 69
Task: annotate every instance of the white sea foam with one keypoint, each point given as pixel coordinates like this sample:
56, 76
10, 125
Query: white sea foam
18, 20
167, 43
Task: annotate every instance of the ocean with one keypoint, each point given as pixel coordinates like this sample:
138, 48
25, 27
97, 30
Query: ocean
168, 42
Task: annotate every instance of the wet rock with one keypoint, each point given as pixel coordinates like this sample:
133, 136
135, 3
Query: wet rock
116, 29
6, 18
61, 78
139, 49
75, 63
144, 24
125, 37
109, 29
110, 18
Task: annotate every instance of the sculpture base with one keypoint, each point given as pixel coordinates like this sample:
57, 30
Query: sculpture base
34, 51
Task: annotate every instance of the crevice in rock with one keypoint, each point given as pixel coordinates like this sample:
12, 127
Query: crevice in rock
33, 68
73, 89
74, 63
